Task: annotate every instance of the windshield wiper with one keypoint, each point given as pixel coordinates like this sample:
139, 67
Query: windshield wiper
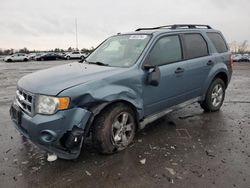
97, 63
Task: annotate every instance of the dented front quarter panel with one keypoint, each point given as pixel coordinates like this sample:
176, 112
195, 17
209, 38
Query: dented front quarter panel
122, 85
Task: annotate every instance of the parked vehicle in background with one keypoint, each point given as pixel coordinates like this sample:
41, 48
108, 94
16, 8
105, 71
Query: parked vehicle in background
49, 56
32, 56
16, 57
75, 55
2, 58
241, 58
130, 80
61, 54
86, 54
245, 58
237, 57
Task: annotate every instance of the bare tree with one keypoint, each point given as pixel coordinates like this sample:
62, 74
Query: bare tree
243, 47
233, 46
70, 49
24, 50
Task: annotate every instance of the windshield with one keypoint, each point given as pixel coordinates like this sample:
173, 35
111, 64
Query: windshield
119, 51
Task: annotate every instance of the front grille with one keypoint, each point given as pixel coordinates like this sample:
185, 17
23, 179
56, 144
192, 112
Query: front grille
25, 100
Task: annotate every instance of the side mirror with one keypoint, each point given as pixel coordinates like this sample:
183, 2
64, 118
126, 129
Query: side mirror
154, 74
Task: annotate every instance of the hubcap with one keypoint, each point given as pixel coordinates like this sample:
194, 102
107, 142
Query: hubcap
217, 95
122, 129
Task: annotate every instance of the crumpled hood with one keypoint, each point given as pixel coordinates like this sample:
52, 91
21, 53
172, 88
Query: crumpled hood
53, 80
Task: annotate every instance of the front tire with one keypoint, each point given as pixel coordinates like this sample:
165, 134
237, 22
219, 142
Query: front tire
114, 129
215, 96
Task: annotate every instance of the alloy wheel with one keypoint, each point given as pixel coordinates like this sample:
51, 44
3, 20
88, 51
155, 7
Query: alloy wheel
123, 129
217, 95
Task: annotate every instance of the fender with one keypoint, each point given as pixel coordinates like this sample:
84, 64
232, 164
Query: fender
96, 101
113, 93
101, 94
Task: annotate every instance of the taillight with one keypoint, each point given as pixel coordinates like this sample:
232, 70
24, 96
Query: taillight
231, 60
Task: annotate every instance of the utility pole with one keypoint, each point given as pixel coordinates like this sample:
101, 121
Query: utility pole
76, 34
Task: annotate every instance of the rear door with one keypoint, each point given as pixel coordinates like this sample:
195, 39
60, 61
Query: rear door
198, 63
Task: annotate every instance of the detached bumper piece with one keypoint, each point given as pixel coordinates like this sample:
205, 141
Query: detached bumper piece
61, 133
73, 138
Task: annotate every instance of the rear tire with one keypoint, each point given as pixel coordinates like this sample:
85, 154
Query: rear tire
215, 96
114, 129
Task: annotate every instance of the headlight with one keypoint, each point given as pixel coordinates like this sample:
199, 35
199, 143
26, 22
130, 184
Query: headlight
50, 105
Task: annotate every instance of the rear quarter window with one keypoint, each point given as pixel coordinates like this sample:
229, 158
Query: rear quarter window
218, 42
195, 46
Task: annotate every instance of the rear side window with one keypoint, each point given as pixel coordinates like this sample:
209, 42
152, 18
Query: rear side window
218, 42
196, 46
166, 50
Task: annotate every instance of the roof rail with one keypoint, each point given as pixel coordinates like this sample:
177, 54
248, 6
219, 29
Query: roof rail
178, 26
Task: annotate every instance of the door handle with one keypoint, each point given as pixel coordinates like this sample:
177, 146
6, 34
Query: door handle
210, 62
179, 70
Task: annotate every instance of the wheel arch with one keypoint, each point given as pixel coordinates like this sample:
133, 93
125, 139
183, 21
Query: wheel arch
123, 102
99, 108
222, 74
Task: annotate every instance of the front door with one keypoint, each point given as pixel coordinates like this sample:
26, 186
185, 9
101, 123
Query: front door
167, 55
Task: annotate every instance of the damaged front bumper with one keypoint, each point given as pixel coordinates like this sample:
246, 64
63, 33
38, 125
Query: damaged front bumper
61, 133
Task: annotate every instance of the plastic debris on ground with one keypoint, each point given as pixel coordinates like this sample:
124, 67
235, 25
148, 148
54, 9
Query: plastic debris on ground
51, 157
171, 171
143, 161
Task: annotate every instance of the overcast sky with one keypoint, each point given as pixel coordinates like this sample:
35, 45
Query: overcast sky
47, 24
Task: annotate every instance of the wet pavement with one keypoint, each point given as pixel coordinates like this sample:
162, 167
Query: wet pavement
187, 148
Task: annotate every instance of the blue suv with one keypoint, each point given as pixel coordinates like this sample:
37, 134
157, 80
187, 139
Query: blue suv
129, 81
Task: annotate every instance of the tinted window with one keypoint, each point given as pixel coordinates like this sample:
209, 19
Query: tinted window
218, 41
196, 46
166, 50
